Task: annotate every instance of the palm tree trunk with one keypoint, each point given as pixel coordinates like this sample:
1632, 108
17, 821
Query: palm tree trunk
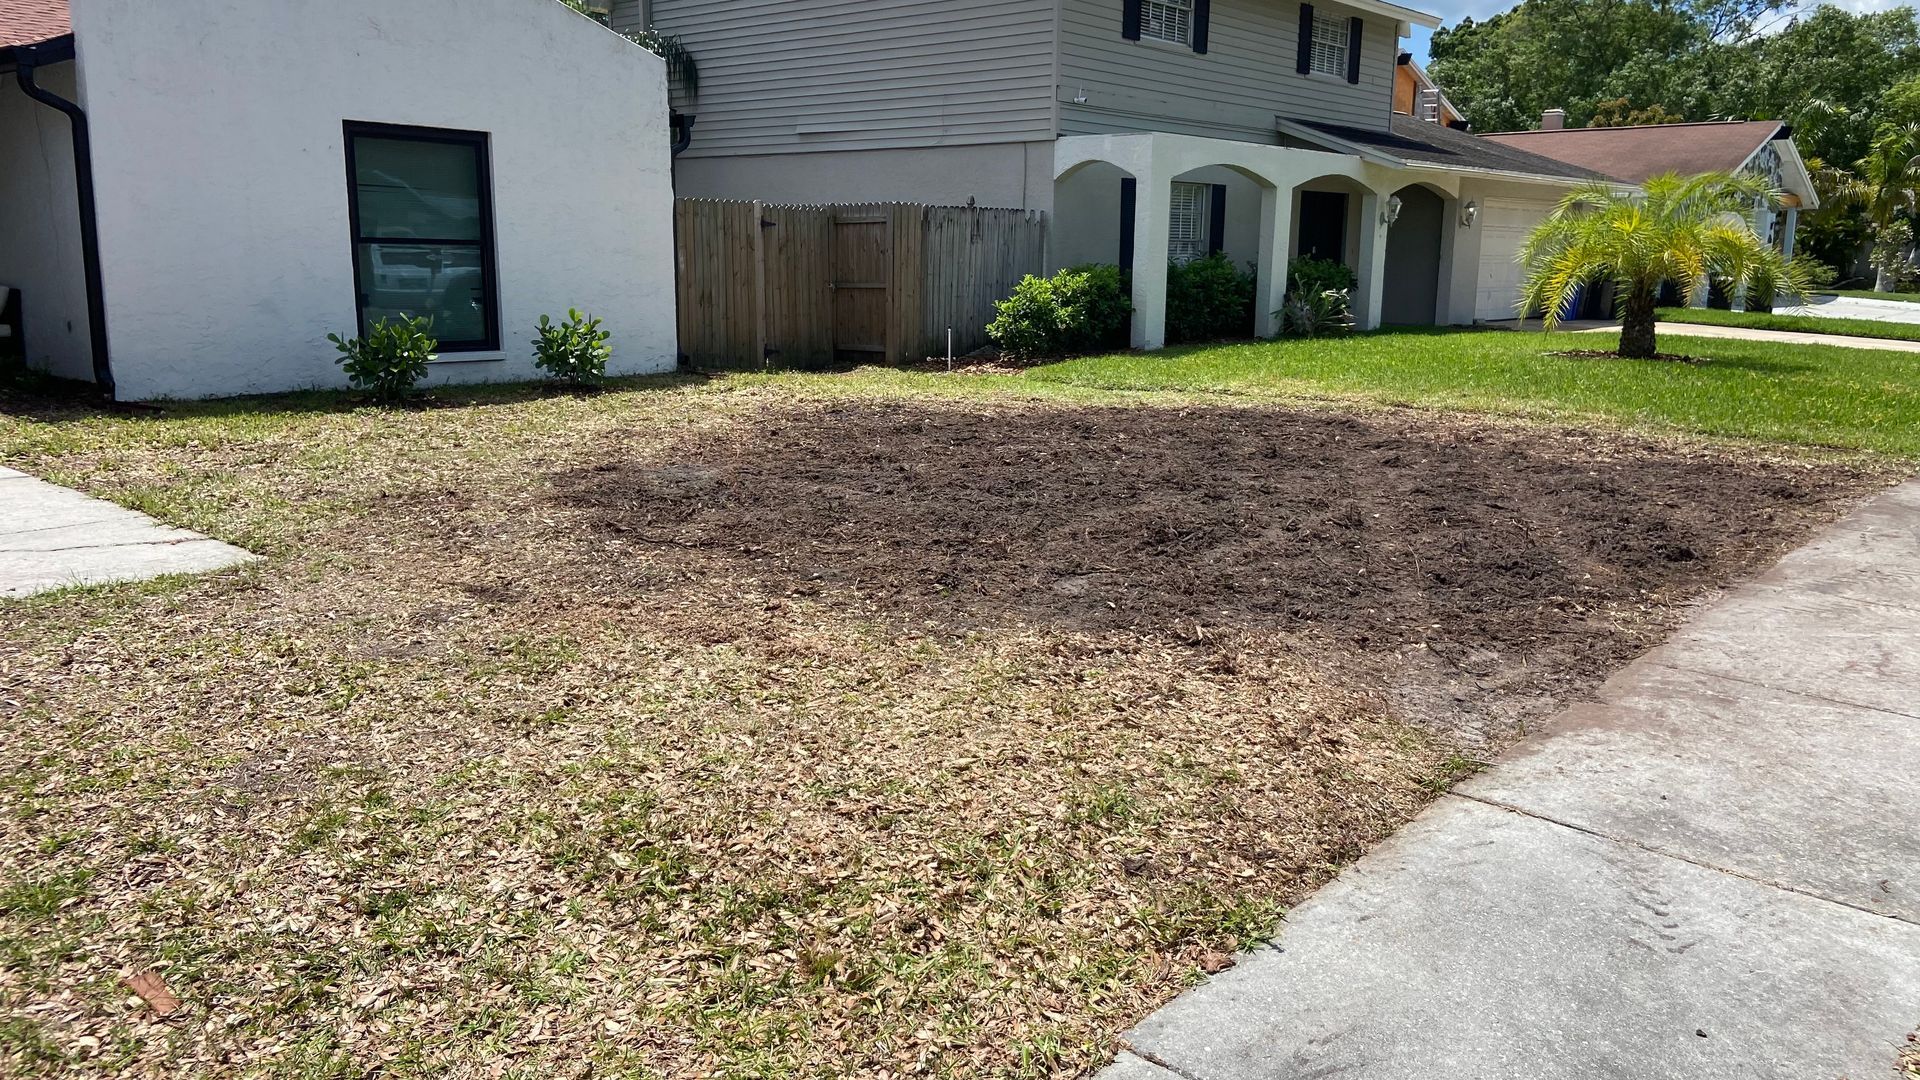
1636, 325
1882, 280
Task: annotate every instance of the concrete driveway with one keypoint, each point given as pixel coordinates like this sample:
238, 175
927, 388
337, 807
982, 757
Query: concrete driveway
52, 537
1849, 307
1713, 871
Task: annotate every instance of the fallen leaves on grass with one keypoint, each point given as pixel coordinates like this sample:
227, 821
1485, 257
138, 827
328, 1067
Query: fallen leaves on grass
687, 734
152, 989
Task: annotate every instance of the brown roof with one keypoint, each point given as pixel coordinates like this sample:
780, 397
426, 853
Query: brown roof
1634, 154
30, 22
1428, 143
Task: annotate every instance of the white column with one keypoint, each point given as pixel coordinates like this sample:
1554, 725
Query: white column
1443, 303
1700, 296
1790, 233
1372, 270
1152, 212
1276, 240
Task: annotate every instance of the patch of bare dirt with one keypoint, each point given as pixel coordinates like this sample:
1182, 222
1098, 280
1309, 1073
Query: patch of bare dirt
1481, 574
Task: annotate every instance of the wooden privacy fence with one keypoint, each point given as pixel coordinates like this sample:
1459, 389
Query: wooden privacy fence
801, 286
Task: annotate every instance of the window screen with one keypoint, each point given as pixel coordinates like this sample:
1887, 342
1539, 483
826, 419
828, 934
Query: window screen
1167, 20
1329, 45
1187, 233
423, 231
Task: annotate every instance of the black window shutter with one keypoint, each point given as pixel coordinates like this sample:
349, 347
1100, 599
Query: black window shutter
1202, 12
1354, 26
1130, 19
1217, 220
1129, 192
1306, 39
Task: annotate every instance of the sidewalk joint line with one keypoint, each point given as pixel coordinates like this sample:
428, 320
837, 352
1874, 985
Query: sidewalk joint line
1156, 1060
68, 525
1626, 841
169, 542
1808, 694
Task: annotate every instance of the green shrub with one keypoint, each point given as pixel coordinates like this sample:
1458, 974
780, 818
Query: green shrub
391, 358
1319, 301
1080, 309
1819, 274
1317, 314
1209, 299
1309, 275
574, 351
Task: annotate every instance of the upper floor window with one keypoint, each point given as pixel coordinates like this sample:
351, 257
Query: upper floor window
1167, 20
1330, 44
1187, 237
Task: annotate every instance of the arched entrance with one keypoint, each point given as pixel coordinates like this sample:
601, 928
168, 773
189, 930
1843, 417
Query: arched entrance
1410, 293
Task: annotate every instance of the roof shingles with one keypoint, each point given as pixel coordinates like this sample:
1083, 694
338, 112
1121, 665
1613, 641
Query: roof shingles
1635, 154
30, 22
1425, 143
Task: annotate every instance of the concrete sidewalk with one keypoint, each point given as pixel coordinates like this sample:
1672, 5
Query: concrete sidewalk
1713, 871
52, 537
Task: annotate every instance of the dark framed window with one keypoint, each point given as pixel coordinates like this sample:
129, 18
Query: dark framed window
421, 205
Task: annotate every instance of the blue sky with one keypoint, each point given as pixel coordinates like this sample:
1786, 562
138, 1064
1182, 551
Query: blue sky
1452, 11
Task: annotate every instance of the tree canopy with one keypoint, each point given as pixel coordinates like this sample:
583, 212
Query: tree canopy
1836, 76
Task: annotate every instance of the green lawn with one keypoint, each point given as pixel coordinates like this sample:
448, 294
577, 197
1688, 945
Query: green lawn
1809, 395
1869, 294
1800, 324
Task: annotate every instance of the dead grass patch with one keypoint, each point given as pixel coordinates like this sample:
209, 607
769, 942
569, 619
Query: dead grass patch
691, 733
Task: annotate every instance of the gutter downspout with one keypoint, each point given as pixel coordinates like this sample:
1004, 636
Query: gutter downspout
682, 125
89, 222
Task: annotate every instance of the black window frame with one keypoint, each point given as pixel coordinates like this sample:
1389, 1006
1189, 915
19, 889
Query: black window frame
481, 143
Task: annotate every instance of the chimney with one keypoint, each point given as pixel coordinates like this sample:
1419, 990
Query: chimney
1553, 120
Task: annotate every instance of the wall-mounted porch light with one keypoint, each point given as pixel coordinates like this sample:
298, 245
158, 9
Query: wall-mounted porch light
1469, 214
1392, 213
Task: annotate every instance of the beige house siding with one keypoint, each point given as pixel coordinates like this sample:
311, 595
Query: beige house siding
1247, 77
785, 76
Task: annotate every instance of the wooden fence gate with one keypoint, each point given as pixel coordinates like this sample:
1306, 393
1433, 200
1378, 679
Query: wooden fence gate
806, 286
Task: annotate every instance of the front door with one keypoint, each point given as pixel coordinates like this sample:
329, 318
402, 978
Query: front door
1323, 225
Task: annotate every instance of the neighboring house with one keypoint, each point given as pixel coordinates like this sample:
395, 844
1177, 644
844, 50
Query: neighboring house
1149, 129
1418, 96
1633, 154
263, 174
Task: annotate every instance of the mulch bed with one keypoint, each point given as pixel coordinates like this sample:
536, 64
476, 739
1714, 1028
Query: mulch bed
1607, 354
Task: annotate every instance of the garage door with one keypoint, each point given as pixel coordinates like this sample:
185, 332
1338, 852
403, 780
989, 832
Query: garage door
1505, 226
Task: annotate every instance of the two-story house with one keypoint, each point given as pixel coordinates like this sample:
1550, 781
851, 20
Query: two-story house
1149, 129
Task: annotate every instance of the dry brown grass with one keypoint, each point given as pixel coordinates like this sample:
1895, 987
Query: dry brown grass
554, 740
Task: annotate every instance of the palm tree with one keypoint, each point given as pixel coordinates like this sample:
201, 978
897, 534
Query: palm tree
1883, 185
1680, 229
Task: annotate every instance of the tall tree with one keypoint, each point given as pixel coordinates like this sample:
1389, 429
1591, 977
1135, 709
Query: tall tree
1834, 75
1578, 54
1830, 73
1883, 186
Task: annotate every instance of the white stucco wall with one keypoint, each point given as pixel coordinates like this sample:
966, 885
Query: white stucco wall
40, 226
223, 192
